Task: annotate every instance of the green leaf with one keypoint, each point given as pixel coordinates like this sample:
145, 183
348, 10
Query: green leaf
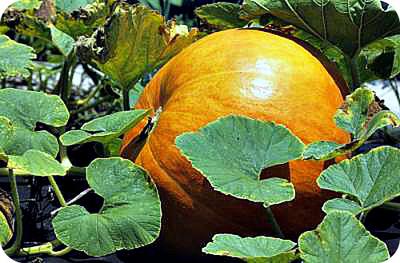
136, 40
252, 249
342, 204
26, 108
24, 140
113, 147
21, 111
349, 25
15, 58
221, 15
380, 59
134, 94
371, 178
62, 41
130, 217
341, 238
36, 163
6, 133
26, 4
104, 129
232, 158
321, 150
69, 6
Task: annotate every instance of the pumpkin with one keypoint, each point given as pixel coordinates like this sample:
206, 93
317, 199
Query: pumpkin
259, 74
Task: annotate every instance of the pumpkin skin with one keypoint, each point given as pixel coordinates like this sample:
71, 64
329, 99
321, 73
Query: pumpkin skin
254, 73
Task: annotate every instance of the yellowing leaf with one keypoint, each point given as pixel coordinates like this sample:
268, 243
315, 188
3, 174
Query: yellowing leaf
135, 41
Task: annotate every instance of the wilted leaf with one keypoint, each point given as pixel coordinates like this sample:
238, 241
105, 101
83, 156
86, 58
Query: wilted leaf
7, 211
252, 249
36, 163
360, 115
349, 25
232, 158
130, 217
341, 238
15, 58
135, 41
83, 22
342, 204
371, 178
221, 15
357, 111
104, 129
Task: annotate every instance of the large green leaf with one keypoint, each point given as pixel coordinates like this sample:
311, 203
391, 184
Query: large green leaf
221, 15
252, 249
130, 217
135, 41
350, 24
371, 178
232, 151
36, 163
341, 238
15, 58
380, 59
104, 129
21, 111
26, 108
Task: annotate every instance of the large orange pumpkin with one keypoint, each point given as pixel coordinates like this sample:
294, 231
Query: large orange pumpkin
246, 72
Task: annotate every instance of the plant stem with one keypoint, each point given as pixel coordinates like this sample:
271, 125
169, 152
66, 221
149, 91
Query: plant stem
46, 248
14, 193
90, 96
391, 206
77, 171
90, 106
354, 72
57, 191
275, 226
125, 99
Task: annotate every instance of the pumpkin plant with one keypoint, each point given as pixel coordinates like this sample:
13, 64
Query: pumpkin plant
248, 137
